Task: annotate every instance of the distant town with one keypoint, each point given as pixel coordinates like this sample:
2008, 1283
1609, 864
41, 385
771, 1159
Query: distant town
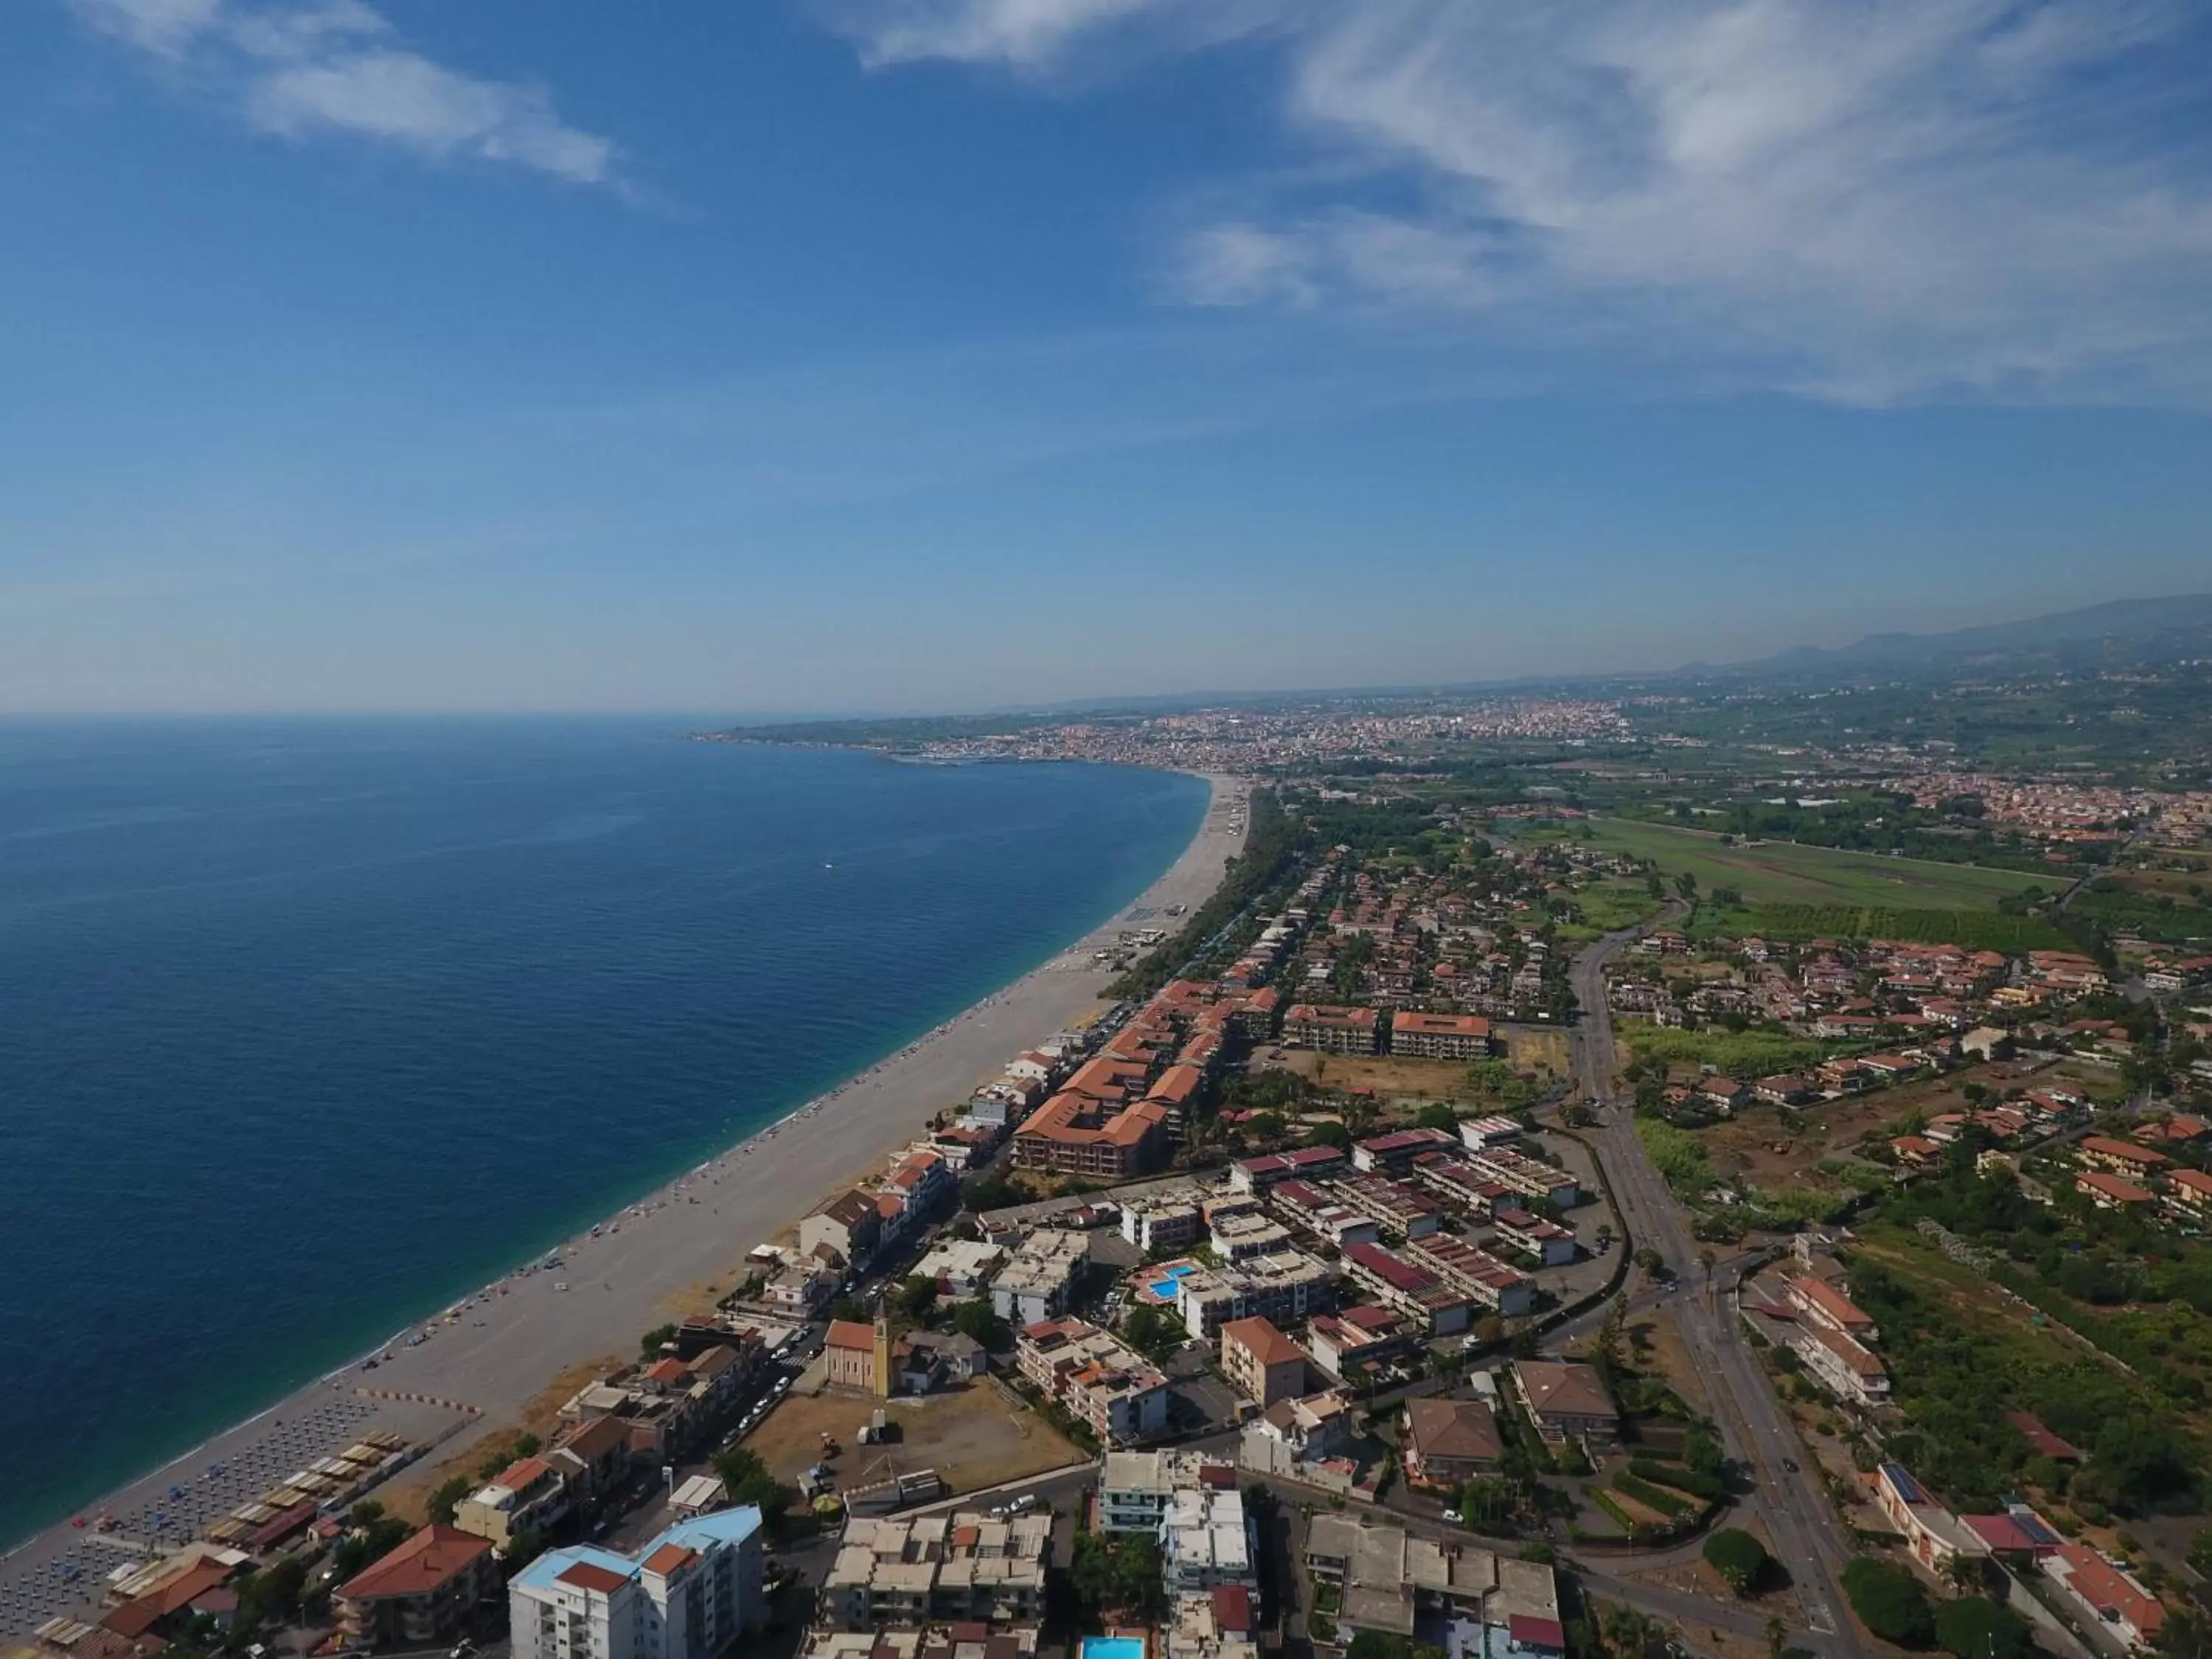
1647, 1171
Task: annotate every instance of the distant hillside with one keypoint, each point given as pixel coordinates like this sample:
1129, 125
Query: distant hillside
2124, 632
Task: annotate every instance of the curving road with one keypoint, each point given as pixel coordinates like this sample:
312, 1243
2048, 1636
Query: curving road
1800, 1523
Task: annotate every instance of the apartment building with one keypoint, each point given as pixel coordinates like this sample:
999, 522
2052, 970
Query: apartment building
1526, 1176
1095, 1378
1333, 1030
422, 1594
1393, 1206
1163, 1226
1257, 1175
1286, 1287
1822, 1305
1490, 1282
1040, 1276
939, 1569
1439, 1036
1398, 1149
1842, 1365
1419, 1294
1076, 1133
1261, 1363
1134, 1488
690, 1594
1207, 1540
529, 1495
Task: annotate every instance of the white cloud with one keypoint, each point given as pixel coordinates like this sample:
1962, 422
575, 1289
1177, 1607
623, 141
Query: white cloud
1865, 200
304, 68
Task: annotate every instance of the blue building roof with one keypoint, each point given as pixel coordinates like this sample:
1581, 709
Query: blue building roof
722, 1528
1901, 1481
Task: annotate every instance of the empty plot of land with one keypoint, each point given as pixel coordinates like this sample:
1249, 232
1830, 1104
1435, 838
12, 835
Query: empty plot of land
974, 1438
1385, 1077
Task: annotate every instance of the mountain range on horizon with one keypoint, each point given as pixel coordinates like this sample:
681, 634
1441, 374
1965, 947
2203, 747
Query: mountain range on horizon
2116, 632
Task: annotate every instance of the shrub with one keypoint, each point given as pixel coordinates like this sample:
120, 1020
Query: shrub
1740, 1559
1889, 1601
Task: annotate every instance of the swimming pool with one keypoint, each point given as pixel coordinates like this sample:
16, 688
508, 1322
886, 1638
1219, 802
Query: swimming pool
1113, 1647
1157, 1285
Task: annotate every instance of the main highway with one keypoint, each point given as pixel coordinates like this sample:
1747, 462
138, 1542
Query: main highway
1802, 1529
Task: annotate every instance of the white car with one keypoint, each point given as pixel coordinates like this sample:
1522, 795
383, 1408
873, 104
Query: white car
1452, 1516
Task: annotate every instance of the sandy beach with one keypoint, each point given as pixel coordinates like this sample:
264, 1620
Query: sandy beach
477, 1374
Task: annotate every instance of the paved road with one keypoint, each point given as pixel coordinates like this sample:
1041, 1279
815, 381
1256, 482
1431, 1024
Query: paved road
1800, 1525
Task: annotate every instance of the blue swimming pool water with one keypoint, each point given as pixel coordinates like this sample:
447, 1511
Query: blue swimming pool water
1113, 1647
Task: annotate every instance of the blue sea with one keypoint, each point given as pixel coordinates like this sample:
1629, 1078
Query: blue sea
307, 1027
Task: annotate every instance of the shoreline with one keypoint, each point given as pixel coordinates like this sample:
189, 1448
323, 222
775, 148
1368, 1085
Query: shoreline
492, 1354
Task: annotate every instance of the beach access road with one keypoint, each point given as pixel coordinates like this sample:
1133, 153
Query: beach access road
507, 1361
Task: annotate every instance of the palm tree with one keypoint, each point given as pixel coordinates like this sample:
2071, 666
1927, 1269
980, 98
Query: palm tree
1776, 1634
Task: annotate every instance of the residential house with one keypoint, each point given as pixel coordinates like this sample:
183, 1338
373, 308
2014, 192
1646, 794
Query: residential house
1448, 1443
1566, 1400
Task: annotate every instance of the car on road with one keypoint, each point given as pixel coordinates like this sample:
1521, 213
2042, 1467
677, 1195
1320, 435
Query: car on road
1790, 1464
1452, 1516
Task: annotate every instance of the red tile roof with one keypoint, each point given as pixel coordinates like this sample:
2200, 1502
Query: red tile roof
432, 1558
590, 1575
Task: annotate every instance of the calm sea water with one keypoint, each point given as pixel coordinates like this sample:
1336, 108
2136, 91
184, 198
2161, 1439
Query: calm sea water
306, 1027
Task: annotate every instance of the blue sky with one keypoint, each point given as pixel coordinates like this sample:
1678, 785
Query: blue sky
789, 355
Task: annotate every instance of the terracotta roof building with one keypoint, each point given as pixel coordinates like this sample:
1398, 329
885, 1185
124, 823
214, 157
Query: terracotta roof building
421, 1594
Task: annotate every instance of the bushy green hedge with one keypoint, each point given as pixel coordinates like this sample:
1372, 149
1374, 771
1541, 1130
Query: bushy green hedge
1674, 1475
1671, 1505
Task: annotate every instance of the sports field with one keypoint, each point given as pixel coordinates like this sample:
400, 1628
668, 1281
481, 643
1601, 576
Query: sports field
1784, 872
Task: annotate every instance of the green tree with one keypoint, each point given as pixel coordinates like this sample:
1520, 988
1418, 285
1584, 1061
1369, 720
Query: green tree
917, 1295
1436, 1116
1889, 1601
649, 1346
1266, 1127
273, 1597
749, 1480
1740, 1559
1975, 1627
447, 1498
1329, 1133
1152, 1331
976, 1319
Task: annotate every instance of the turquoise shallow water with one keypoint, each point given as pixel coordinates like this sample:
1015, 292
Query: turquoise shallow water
306, 1026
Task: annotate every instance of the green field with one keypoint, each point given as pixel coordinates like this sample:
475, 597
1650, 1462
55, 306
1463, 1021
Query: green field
1971, 930
1785, 873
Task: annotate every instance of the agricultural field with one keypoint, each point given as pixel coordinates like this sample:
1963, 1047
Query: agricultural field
1785, 873
1607, 905
1972, 930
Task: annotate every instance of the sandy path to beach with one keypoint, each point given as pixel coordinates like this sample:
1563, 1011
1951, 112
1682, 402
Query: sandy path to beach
653, 1262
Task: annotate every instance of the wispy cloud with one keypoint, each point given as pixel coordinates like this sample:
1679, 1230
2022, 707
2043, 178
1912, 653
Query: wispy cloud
1859, 200
308, 68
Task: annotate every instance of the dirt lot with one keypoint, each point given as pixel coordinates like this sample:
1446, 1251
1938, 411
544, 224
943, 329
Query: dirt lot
973, 1439
1387, 1080
1536, 1049
1656, 1345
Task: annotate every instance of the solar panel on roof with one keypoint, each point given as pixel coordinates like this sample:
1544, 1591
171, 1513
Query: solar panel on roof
1903, 1484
